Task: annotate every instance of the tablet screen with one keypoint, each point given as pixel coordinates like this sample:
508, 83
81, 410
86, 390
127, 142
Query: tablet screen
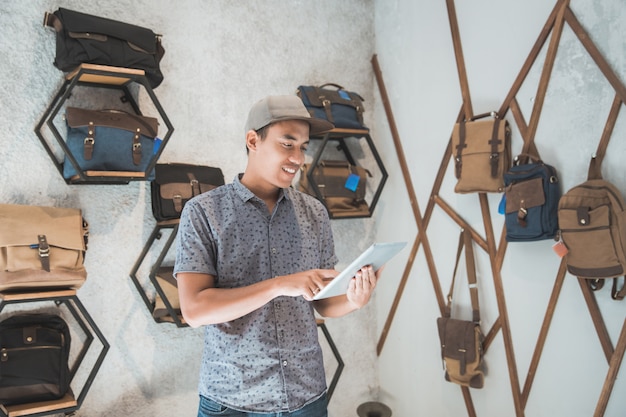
376, 255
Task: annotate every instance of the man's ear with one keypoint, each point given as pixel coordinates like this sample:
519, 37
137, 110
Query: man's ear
252, 139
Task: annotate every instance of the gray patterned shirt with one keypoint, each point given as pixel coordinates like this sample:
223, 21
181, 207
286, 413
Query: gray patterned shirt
269, 360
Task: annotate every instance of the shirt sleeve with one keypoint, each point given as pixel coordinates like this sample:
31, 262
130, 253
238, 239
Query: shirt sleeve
195, 245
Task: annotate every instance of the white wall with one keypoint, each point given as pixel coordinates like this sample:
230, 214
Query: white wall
415, 51
221, 56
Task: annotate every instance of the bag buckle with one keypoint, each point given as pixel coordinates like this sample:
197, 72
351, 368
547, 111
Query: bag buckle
88, 142
44, 252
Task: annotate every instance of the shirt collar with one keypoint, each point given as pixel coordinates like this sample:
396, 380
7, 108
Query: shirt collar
245, 194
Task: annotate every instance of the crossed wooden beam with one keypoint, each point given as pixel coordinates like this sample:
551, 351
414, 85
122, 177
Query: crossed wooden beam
560, 15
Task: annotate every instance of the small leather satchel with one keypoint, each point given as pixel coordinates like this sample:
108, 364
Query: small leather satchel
174, 184
341, 186
41, 247
340, 107
462, 340
532, 193
481, 150
86, 39
34, 355
109, 140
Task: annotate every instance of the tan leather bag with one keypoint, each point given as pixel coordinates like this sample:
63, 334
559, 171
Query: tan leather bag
462, 340
41, 247
332, 181
481, 150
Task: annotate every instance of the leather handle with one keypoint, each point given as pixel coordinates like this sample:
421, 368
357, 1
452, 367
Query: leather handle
337, 86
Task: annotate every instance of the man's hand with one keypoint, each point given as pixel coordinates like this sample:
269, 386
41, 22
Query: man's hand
362, 285
305, 283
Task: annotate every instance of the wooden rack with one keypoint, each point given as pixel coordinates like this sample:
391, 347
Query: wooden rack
495, 246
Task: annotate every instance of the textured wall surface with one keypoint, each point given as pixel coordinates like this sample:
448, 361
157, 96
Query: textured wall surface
221, 56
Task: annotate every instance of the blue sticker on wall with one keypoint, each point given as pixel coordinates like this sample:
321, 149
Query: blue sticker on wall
352, 183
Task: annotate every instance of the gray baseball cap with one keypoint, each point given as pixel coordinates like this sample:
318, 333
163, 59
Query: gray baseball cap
273, 109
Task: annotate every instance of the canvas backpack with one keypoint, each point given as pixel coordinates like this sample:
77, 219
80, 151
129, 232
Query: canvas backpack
592, 222
531, 197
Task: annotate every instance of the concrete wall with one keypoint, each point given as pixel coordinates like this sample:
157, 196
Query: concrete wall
221, 57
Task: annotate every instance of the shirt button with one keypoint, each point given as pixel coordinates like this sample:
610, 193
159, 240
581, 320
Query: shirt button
284, 363
274, 251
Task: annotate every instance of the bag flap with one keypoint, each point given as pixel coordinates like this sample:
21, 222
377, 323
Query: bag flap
316, 95
20, 225
74, 21
477, 136
76, 117
179, 173
583, 217
458, 338
525, 194
183, 190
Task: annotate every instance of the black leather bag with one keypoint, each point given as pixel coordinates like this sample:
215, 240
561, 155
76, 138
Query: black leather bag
87, 39
342, 108
174, 184
34, 355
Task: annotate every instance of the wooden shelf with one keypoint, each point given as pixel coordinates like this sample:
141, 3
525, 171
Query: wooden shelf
18, 410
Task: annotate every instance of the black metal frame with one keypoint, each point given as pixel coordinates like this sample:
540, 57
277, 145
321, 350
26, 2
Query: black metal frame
340, 364
156, 234
64, 93
88, 326
340, 136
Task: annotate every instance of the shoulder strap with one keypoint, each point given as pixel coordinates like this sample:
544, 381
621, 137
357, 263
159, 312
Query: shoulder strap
471, 275
465, 239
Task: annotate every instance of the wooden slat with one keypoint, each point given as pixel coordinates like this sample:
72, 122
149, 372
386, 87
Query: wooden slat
104, 79
502, 308
614, 365
542, 88
460, 61
19, 410
596, 317
23, 296
543, 334
532, 57
421, 236
462, 223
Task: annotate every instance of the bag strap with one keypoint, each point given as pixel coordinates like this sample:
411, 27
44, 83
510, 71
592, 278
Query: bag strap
618, 294
494, 142
465, 240
337, 86
50, 20
527, 156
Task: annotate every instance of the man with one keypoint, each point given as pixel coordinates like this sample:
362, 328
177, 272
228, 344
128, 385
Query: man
251, 255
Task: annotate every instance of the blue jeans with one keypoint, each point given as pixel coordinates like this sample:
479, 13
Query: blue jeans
209, 408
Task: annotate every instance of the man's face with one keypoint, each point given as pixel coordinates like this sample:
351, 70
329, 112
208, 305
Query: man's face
281, 153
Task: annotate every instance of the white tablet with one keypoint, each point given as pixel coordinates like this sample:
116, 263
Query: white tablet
376, 255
